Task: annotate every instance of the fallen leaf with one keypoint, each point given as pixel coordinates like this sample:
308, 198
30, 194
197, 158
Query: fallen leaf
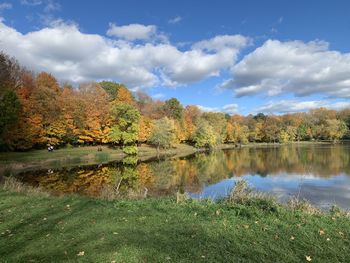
321, 232
81, 253
308, 258
328, 239
217, 212
292, 238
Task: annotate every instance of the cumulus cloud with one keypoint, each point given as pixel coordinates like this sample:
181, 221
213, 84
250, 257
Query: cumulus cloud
229, 108
175, 20
132, 31
292, 67
290, 106
72, 55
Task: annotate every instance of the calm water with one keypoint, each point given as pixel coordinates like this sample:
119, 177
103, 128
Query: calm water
319, 173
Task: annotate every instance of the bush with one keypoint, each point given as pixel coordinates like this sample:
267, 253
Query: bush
130, 149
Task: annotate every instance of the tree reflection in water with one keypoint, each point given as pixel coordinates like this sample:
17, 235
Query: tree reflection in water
165, 177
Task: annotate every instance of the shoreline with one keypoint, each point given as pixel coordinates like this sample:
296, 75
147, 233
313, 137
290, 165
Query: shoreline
15, 162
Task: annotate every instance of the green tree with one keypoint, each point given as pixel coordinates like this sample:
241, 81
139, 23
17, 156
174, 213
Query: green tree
111, 88
10, 80
125, 123
163, 134
301, 133
217, 120
205, 135
173, 109
9, 110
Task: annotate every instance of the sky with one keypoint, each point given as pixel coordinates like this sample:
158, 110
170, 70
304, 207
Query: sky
242, 56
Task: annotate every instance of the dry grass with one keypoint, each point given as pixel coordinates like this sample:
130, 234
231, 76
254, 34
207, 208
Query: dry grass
11, 184
297, 204
112, 193
243, 193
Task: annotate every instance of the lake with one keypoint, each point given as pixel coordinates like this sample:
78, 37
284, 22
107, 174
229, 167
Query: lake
319, 173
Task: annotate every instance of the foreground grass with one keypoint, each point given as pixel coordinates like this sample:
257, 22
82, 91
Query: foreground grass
40, 228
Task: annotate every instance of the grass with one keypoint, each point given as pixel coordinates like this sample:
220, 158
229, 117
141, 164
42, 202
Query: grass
13, 162
35, 227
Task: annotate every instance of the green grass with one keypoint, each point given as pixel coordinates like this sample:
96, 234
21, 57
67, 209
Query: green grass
38, 228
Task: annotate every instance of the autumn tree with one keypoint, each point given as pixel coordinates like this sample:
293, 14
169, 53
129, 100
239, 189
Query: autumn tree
335, 129
205, 136
94, 108
145, 129
217, 120
45, 105
191, 115
163, 134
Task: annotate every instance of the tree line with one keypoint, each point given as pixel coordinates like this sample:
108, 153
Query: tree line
37, 111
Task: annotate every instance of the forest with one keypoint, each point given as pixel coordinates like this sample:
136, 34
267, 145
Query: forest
37, 111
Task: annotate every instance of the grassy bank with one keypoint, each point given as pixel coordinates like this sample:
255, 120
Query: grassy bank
35, 227
66, 157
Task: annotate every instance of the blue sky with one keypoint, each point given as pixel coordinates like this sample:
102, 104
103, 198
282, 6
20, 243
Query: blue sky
230, 56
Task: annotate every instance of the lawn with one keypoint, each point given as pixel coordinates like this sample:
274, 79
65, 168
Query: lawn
42, 228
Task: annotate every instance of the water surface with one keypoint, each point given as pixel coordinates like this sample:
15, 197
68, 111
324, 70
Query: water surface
319, 173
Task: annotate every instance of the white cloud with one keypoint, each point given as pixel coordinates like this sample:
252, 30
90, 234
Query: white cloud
222, 42
158, 96
52, 6
132, 31
292, 67
229, 108
72, 55
289, 106
175, 20
4, 6
208, 109
31, 2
